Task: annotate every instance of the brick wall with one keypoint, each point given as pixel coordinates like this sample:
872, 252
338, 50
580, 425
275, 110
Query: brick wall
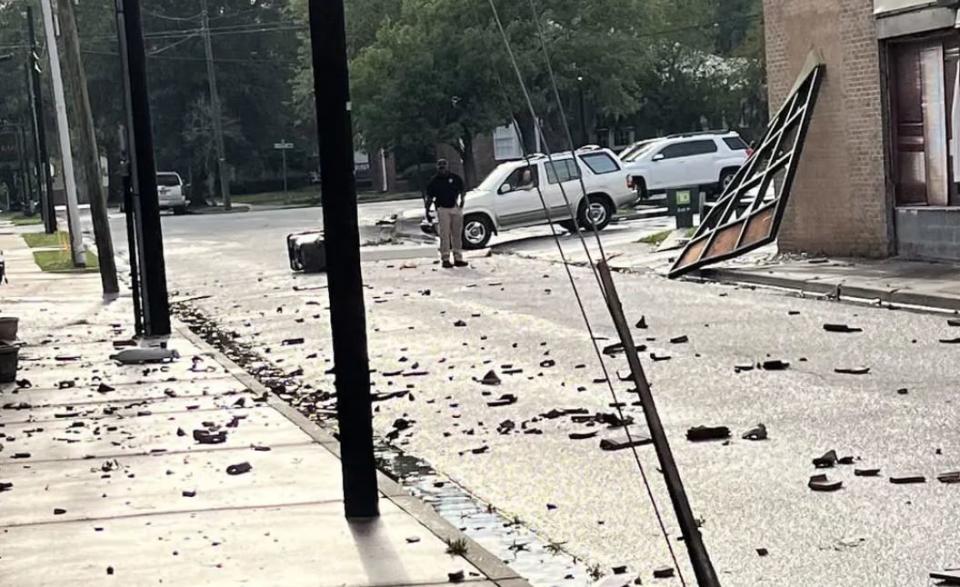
840, 204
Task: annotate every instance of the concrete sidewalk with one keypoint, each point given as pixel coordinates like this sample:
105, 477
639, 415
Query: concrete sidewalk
894, 281
102, 479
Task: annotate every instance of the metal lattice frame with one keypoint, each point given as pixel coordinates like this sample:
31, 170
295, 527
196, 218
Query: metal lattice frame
750, 210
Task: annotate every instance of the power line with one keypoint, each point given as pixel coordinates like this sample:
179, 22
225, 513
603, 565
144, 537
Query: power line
216, 60
251, 28
171, 46
173, 18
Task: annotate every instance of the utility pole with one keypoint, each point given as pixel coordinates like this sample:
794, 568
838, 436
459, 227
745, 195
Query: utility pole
583, 117
86, 138
215, 109
46, 192
143, 171
63, 131
27, 185
344, 279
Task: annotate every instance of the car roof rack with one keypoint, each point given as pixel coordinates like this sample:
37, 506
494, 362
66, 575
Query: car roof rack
586, 148
698, 134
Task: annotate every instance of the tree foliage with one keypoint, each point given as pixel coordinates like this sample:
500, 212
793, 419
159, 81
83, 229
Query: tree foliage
437, 71
424, 72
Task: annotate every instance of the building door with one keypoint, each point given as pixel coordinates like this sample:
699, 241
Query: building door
923, 81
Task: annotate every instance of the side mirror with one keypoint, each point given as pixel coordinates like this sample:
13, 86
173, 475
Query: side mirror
658, 157
504, 189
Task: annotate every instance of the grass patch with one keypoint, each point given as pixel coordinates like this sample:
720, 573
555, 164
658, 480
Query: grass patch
387, 197
19, 219
308, 195
42, 240
656, 238
60, 262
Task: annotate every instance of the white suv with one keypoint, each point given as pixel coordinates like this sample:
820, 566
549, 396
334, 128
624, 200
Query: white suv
508, 197
170, 192
709, 159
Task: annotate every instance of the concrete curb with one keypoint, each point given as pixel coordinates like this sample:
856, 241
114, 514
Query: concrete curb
488, 564
889, 296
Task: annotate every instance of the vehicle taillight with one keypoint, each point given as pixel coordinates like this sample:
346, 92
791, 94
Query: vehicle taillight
630, 182
749, 152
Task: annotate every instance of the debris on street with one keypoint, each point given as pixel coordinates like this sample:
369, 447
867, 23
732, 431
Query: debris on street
707, 433
822, 483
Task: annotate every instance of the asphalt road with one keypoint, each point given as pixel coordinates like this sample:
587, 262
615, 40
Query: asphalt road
520, 312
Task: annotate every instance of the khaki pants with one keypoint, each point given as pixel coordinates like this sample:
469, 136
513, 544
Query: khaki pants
451, 232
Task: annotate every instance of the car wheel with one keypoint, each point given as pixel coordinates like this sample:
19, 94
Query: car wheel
642, 193
568, 225
726, 178
179, 210
595, 213
477, 231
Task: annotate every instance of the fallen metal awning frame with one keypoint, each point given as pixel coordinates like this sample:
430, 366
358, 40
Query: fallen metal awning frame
749, 213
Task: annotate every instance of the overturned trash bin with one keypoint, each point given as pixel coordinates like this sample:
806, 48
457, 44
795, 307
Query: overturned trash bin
307, 252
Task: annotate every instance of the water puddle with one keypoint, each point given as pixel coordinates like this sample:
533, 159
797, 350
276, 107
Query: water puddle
537, 560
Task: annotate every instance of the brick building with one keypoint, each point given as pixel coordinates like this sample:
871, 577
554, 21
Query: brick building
879, 172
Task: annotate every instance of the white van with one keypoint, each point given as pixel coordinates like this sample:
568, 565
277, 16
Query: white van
508, 198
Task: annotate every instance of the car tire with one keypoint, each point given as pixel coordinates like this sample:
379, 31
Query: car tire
477, 231
179, 210
726, 176
597, 214
642, 193
568, 225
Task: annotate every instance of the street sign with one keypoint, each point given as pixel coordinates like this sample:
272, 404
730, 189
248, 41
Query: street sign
283, 147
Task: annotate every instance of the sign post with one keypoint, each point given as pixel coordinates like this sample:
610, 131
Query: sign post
283, 147
681, 204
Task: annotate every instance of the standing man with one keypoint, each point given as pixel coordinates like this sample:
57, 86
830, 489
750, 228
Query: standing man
446, 189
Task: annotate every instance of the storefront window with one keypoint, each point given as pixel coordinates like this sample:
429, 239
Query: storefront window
924, 120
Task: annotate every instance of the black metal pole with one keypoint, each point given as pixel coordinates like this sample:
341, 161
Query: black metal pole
699, 559
130, 217
37, 172
24, 172
344, 279
143, 171
46, 195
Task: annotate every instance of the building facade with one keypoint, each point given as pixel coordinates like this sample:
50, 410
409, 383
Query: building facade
880, 167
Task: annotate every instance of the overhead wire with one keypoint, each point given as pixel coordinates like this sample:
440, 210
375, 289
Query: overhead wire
171, 45
617, 404
199, 59
173, 18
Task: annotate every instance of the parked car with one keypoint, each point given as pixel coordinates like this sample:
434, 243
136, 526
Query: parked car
708, 159
170, 192
508, 198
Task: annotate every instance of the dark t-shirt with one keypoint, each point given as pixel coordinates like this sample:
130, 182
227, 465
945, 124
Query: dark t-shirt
445, 189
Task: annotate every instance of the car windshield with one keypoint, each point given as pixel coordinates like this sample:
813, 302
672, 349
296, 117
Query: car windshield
167, 180
496, 177
634, 153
